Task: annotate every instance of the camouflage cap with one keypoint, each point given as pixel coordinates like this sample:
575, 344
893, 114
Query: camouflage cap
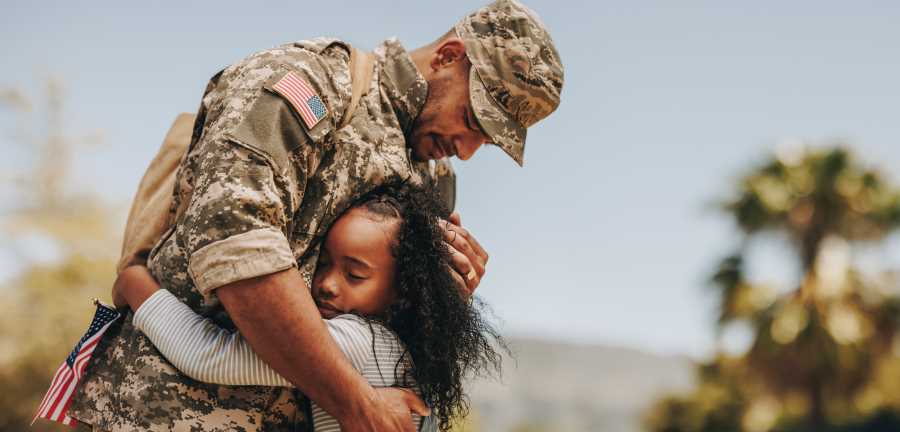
516, 75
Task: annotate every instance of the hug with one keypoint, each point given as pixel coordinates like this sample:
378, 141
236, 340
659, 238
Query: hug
311, 275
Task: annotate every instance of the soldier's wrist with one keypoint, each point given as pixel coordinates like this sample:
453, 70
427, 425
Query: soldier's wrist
357, 414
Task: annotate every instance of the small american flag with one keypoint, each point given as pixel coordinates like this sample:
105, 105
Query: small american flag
302, 97
56, 402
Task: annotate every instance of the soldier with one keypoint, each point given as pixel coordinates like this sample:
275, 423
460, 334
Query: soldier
269, 168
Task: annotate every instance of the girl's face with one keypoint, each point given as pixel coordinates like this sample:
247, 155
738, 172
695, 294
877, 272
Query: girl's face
356, 269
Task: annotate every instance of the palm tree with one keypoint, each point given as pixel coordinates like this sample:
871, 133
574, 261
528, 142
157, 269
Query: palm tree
824, 338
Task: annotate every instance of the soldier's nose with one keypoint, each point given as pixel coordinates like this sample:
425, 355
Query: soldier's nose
466, 148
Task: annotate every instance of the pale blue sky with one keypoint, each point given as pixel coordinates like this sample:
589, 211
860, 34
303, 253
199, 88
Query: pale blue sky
606, 235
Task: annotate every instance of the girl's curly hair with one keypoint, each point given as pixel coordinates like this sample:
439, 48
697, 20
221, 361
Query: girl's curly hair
445, 334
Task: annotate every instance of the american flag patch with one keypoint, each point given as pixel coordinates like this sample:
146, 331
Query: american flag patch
302, 97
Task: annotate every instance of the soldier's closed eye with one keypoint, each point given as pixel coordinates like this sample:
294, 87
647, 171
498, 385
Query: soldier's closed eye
470, 121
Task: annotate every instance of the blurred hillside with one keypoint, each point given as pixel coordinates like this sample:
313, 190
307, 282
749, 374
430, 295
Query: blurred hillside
564, 387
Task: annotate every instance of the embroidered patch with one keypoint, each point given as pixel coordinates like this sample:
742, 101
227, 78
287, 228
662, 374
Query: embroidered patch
303, 98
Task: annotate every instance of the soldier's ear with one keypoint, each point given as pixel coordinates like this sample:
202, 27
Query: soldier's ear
448, 53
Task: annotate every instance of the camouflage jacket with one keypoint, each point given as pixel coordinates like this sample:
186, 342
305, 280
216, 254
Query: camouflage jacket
255, 195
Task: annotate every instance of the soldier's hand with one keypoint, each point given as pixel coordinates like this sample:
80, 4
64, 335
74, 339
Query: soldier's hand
467, 257
391, 412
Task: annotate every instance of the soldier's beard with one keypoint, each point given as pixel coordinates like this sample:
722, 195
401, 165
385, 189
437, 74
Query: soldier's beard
423, 134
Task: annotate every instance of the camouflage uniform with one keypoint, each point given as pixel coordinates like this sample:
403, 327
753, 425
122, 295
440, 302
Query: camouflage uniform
239, 215
259, 189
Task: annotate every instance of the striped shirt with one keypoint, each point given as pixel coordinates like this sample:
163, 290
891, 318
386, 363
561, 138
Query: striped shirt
206, 352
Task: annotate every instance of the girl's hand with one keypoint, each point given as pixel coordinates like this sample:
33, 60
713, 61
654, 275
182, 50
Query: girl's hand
133, 286
118, 299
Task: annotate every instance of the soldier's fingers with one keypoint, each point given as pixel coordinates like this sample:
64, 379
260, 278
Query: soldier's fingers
455, 224
460, 282
450, 233
476, 260
460, 262
455, 219
416, 404
445, 224
477, 248
396, 413
462, 241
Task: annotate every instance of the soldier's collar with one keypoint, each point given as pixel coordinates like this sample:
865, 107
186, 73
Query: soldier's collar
400, 79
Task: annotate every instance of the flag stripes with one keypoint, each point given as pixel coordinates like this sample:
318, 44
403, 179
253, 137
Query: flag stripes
302, 97
56, 402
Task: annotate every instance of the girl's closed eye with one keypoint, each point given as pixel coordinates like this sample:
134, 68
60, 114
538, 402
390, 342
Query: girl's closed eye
358, 270
357, 277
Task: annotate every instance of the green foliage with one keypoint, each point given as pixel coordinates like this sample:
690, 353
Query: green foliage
715, 405
819, 348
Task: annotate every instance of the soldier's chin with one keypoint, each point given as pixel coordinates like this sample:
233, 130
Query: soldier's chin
420, 148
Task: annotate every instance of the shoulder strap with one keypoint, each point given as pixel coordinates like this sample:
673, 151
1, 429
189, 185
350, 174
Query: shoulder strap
362, 65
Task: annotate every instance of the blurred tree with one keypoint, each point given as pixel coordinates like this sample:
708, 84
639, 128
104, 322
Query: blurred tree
818, 347
714, 406
48, 303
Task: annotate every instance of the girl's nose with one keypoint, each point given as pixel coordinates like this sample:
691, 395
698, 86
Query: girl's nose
326, 287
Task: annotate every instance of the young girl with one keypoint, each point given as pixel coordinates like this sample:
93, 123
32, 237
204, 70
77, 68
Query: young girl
383, 286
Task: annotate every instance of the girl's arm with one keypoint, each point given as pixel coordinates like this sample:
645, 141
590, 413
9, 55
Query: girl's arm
206, 352
198, 347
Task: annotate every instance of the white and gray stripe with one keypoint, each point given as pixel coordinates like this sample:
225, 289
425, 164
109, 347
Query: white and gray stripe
206, 352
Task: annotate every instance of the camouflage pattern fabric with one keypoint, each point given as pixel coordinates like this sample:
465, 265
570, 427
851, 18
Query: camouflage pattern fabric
255, 195
516, 76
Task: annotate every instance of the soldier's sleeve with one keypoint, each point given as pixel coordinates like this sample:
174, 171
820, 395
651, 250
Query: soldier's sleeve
233, 228
248, 185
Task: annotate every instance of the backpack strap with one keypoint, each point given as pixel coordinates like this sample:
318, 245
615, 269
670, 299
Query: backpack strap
362, 66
